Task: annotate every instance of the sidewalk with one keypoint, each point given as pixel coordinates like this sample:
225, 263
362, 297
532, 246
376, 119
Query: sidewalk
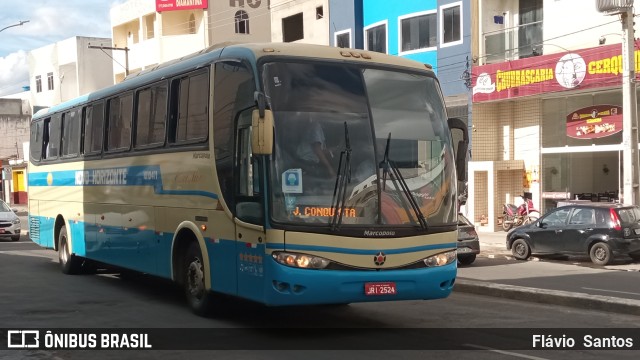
574, 283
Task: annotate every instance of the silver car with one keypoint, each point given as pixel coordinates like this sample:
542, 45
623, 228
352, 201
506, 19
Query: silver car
9, 222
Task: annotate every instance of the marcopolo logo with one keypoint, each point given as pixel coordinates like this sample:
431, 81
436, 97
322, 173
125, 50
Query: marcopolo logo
379, 233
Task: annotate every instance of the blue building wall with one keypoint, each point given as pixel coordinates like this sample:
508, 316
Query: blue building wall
343, 15
381, 10
452, 60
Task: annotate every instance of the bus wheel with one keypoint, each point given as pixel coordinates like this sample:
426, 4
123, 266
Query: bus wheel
69, 263
199, 298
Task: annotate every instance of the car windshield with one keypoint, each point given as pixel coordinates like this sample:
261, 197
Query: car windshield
378, 137
4, 207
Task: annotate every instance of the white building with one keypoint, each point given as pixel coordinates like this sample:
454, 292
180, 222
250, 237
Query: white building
300, 20
546, 75
68, 69
158, 31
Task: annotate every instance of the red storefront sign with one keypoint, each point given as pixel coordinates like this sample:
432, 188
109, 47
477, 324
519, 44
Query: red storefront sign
594, 122
576, 70
172, 5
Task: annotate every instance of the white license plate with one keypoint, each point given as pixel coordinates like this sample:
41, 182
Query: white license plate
463, 250
380, 288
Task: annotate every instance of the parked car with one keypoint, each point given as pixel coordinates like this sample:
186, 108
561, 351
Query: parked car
468, 242
602, 231
9, 222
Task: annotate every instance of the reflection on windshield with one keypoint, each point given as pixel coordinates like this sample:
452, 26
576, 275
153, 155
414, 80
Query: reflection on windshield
312, 103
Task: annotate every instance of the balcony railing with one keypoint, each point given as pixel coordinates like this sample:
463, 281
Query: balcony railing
512, 43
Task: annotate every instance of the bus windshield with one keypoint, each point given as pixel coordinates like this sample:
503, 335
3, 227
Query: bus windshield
367, 145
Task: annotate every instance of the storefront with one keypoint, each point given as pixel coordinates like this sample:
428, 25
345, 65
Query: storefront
550, 125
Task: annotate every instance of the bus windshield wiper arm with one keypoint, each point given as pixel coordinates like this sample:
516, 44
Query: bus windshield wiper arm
389, 166
343, 177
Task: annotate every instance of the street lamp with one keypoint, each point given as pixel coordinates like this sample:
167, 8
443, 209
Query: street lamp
18, 24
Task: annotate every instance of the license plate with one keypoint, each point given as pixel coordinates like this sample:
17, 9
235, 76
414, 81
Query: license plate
380, 288
1, 231
463, 250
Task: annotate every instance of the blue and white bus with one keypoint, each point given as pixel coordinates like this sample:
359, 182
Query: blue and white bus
286, 174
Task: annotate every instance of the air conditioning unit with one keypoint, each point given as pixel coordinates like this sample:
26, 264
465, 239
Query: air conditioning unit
612, 7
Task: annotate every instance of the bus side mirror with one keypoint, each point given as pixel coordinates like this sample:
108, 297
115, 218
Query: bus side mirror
460, 138
262, 132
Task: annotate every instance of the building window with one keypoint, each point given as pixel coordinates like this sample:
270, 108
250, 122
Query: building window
192, 24
242, 22
38, 83
451, 20
418, 31
292, 28
343, 39
376, 37
50, 81
319, 13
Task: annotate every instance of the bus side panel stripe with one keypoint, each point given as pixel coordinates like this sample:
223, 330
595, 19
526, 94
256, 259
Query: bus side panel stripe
329, 249
120, 176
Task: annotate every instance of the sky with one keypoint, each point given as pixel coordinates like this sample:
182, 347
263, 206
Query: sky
50, 21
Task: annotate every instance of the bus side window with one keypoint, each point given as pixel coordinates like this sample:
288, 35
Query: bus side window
234, 86
119, 120
151, 115
189, 120
51, 137
248, 206
35, 143
70, 133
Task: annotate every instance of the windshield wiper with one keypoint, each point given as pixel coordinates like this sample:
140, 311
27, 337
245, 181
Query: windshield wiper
343, 177
390, 168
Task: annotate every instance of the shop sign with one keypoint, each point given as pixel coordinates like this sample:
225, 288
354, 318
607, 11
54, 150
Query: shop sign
594, 122
582, 69
172, 5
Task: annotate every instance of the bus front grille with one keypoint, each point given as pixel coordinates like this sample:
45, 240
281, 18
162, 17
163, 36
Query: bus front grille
34, 228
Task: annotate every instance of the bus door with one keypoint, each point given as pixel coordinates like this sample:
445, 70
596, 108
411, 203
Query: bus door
249, 218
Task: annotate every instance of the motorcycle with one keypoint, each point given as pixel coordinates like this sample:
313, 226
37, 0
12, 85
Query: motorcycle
514, 216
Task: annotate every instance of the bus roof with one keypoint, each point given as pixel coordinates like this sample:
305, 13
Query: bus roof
235, 50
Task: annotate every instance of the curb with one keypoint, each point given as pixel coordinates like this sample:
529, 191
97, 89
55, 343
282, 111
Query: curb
545, 296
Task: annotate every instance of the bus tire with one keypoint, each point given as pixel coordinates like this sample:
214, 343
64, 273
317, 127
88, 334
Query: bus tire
69, 263
199, 298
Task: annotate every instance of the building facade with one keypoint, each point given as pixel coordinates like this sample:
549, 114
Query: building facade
547, 106
301, 21
14, 125
67, 69
345, 24
150, 32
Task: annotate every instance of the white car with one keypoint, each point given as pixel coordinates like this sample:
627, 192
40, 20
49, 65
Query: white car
9, 222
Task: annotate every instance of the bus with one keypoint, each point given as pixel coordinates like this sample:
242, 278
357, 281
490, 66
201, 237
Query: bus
202, 171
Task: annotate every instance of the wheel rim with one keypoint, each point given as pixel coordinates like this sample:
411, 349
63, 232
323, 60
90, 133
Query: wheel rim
520, 249
195, 279
600, 254
64, 254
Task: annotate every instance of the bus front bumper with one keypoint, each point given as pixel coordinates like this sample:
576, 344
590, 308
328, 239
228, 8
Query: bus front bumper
293, 286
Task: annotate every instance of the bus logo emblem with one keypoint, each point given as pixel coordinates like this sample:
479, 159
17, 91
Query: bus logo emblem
380, 258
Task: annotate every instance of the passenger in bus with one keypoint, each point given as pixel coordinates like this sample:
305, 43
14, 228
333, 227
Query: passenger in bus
313, 153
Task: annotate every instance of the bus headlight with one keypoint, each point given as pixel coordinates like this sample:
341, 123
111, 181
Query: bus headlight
441, 259
300, 260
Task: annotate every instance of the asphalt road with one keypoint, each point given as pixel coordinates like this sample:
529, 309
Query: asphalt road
35, 294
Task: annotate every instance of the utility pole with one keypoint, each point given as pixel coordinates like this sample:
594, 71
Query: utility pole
630, 189
126, 55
